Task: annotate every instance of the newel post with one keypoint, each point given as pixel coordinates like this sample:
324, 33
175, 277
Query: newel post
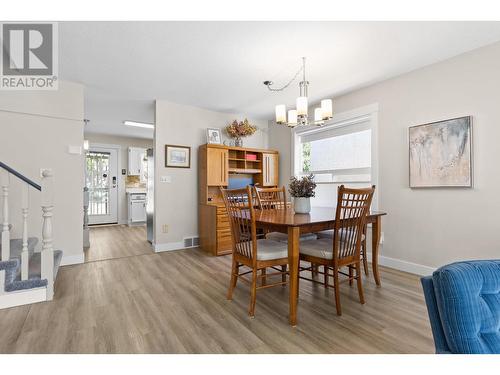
4, 185
47, 247
86, 239
25, 253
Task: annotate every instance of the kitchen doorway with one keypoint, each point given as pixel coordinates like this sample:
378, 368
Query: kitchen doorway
101, 174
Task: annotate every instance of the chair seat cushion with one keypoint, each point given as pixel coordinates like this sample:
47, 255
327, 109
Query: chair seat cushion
329, 234
283, 237
320, 248
269, 249
468, 300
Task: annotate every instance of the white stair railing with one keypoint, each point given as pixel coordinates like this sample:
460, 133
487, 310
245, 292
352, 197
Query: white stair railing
4, 182
47, 248
47, 190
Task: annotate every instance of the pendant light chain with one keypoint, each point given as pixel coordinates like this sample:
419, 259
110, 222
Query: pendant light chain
269, 83
299, 116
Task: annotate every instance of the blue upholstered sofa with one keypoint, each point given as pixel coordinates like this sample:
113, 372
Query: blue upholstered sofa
463, 301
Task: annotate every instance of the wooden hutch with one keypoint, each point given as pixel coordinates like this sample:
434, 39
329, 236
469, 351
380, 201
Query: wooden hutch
229, 167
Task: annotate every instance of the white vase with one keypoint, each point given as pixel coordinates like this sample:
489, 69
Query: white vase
302, 205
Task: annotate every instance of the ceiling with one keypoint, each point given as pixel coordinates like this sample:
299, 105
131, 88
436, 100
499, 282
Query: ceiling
221, 65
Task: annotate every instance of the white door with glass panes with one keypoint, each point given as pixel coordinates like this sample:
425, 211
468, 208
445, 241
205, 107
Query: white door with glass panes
339, 154
101, 178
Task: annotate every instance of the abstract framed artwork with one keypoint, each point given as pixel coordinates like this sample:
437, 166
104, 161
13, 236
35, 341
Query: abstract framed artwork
440, 154
177, 156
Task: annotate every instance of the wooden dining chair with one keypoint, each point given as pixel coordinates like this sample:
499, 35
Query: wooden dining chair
256, 254
271, 198
364, 258
274, 198
344, 249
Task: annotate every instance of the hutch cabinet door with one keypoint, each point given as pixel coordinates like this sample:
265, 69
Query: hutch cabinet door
217, 167
270, 169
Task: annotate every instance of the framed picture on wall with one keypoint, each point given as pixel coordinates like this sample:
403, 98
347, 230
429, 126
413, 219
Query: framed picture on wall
441, 154
214, 136
177, 156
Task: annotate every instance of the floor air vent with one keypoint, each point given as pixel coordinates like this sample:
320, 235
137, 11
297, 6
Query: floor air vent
191, 242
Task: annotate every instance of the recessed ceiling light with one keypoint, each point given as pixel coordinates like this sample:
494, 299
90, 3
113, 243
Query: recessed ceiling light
139, 124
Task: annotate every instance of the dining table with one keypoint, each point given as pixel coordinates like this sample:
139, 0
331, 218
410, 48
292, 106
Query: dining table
317, 220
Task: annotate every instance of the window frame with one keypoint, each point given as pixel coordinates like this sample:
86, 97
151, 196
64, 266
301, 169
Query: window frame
351, 118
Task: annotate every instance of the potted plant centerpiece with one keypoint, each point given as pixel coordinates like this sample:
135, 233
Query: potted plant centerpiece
302, 190
239, 130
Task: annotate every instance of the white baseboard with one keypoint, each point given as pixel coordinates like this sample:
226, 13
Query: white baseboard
403, 265
68, 260
169, 246
22, 297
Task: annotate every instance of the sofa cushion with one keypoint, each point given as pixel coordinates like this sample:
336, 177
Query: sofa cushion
468, 300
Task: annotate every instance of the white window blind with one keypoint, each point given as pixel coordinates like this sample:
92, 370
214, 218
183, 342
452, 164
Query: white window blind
336, 155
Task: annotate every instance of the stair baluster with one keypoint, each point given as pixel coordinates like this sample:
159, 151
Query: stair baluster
25, 254
47, 248
4, 183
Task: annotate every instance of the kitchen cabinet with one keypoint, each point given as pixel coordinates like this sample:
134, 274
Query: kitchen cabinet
270, 175
136, 156
136, 208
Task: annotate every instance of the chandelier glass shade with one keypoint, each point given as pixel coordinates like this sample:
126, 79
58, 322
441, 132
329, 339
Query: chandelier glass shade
299, 115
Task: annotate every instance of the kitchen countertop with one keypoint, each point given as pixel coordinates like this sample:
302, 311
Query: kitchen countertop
135, 190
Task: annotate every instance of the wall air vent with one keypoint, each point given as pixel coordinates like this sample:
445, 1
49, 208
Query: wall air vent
191, 242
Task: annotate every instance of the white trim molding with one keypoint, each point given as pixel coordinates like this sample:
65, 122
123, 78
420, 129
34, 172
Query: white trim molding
403, 265
169, 246
23, 297
68, 260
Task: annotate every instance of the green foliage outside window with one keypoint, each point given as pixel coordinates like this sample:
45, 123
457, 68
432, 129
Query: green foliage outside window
306, 157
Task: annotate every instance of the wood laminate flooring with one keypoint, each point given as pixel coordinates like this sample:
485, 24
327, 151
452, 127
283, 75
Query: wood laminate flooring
116, 241
174, 302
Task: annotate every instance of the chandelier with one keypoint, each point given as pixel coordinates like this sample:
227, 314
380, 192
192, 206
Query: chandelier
298, 116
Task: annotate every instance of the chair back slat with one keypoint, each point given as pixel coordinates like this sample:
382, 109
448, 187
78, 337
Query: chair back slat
271, 198
240, 210
353, 206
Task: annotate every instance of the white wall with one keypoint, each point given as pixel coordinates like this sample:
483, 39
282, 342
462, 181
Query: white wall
36, 128
433, 227
280, 139
176, 203
124, 143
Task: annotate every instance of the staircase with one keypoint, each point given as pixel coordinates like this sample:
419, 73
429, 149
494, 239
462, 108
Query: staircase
27, 275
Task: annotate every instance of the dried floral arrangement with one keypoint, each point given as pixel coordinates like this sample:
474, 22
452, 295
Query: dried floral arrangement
302, 188
240, 129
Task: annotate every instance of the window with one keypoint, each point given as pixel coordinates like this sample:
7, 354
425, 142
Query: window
341, 153
97, 181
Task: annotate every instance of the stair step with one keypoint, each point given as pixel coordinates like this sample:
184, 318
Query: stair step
35, 270
16, 247
10, 267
